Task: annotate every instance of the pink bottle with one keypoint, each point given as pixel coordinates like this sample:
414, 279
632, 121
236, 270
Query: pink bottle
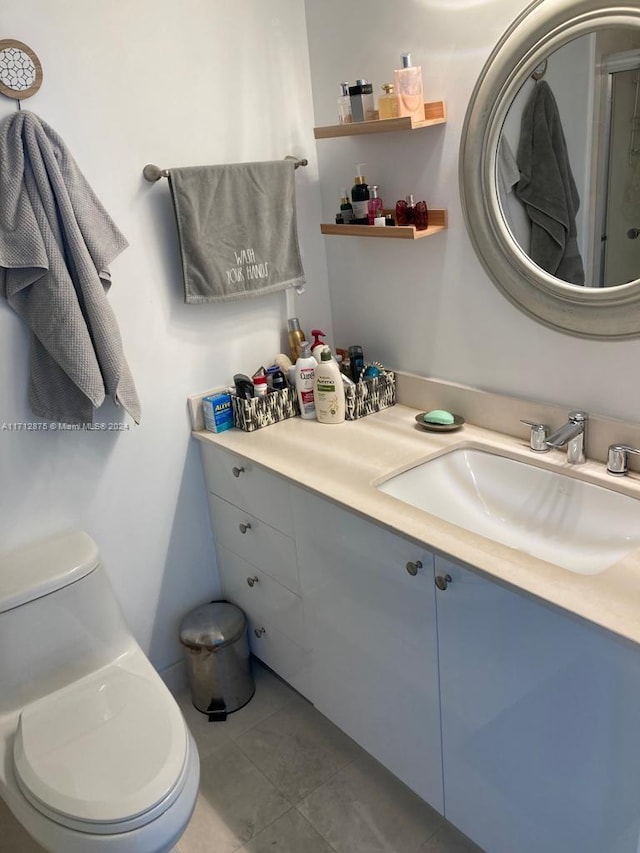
374, 205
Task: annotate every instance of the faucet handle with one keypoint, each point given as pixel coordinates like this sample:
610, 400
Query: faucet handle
618, 459
537, 436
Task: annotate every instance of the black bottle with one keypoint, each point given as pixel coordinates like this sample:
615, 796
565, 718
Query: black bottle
345, 208
360, 198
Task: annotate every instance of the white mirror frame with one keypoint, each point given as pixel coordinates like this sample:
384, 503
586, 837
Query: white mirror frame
606, 313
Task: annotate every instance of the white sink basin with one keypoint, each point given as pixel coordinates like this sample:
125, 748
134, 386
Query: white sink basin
576, 525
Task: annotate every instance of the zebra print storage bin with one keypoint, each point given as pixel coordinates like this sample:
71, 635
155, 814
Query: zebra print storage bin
259, 412
370, 395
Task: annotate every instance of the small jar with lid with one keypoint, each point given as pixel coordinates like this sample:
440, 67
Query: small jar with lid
388, 102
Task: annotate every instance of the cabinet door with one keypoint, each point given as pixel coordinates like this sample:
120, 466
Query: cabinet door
540, 724
370, 626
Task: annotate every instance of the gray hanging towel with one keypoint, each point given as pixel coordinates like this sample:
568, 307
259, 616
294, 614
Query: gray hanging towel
56, 242
236, 229
547, 188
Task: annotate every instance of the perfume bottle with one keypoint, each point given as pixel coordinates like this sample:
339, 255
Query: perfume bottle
359, 198
405, 211
346, 208
362, 106
374, 205
388, 102
421, 216
409, 88
344, 105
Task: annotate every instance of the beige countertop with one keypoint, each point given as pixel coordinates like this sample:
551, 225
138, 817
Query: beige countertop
345, 463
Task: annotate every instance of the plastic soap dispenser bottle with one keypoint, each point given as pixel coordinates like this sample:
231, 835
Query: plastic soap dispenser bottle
360, 198
409, 89
329, 390
305, 371
318, 344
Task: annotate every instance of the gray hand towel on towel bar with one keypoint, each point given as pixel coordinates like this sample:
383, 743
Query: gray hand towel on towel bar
547, 188
236, 229
56, 242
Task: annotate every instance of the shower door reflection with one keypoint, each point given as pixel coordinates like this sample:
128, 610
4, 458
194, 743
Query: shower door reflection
621, 231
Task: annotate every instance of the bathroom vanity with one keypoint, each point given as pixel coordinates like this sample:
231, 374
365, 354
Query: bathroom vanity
503, 689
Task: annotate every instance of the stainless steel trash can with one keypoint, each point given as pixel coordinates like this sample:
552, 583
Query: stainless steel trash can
216, 648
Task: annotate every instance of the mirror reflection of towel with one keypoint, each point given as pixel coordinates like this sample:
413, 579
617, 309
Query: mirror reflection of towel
547, 188
236, 229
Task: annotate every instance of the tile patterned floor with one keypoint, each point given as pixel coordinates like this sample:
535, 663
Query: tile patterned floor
278, 776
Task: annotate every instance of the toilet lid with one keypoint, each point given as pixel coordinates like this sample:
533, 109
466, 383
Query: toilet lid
106, 749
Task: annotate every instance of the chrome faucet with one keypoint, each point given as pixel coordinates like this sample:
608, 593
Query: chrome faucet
573, 434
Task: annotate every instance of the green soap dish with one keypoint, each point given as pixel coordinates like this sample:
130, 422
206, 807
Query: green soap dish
458, 422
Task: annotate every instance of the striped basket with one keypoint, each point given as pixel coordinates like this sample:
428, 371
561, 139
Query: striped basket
259, 412
370, 395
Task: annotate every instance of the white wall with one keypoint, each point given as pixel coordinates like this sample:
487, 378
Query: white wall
428, 306
171, 82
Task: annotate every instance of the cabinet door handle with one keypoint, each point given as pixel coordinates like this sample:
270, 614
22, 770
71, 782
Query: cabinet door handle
237, 471
443, 581
259, 632
253, 580
412, 568
244, 527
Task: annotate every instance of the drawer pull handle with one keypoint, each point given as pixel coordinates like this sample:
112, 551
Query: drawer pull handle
253, 580
259, 632
237, 471
412, 568
244, 527
443, 581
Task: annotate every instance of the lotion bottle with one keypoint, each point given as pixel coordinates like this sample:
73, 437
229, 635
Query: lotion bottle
305, 371
329, 390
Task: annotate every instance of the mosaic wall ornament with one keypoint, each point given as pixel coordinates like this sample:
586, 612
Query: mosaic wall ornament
20, 70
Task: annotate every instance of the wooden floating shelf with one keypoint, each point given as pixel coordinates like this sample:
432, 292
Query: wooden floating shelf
434, 113
437, 222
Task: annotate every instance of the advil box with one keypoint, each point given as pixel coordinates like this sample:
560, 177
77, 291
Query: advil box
217, 411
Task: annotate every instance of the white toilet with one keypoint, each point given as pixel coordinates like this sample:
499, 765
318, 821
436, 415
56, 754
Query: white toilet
95, 756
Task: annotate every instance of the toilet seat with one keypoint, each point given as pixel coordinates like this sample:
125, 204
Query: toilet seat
104, 755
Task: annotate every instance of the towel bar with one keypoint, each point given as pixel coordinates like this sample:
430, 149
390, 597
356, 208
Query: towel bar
153, 173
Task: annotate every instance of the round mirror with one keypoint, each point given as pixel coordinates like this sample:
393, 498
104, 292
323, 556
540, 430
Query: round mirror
550, 166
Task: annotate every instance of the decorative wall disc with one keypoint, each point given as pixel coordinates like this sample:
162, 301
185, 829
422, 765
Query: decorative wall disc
20, 70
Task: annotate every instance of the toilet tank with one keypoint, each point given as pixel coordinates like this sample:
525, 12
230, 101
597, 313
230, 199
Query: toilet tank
59, 619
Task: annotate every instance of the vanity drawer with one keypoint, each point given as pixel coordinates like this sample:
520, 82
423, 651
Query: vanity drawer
264, 598
261, 545
286, 658
254, 489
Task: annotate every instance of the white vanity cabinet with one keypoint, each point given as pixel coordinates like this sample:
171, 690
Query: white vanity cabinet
252, 523
540, 723
371, 629
518, 722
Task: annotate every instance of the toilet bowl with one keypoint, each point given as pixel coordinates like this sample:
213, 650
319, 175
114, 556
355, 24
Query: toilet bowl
94, 752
